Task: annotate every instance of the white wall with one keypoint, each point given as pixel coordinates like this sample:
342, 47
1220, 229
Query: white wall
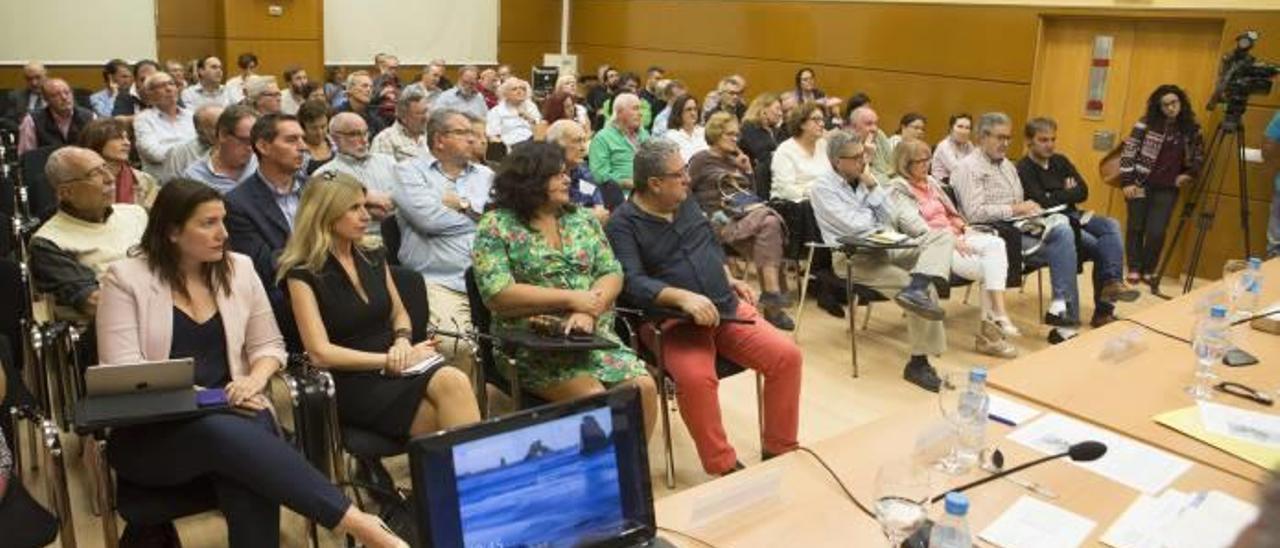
460, 31
83, 32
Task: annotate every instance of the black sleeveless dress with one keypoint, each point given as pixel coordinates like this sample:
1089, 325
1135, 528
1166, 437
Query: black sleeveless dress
367, 400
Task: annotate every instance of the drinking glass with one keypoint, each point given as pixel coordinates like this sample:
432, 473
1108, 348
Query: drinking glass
902, 491
949, 392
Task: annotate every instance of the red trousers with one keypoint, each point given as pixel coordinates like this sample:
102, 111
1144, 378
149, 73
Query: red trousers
689, 354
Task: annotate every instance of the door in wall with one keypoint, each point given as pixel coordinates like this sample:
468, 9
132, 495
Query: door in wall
1093, 76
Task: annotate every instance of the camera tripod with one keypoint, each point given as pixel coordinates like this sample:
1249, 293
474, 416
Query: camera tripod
1196, 205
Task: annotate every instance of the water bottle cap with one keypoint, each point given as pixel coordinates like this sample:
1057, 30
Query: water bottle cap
978, 374
1218, 311
957, 504
1255, 262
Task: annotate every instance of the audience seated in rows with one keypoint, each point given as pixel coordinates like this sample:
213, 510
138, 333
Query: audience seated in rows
428, 83
849, 201
72, 250
109, 137
727, 97
670, 89
185, 296
537, 253
800, 161
360, 100
248, 65
911, 126
231, 159
807, 91
628, 84
721, 183
262, 94
25, 100
58, 123
864, 123
407, 137
650, 93
439, 199
374, 170
761, 128
487, 83
567, 91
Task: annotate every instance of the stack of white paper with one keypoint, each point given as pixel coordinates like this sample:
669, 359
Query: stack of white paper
1007, 410
1241, 424
1031, 523
1181, 520
1137, 465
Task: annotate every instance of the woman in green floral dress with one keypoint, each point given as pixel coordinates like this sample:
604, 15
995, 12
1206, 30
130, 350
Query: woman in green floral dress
536, 253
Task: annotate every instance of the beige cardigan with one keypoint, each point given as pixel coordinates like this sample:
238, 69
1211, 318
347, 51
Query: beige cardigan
135, 317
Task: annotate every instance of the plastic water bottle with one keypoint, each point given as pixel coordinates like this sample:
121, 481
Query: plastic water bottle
974, 404
952, 530
1212, 340
1250, 290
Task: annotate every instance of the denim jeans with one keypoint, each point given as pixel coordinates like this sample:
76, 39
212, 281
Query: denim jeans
1104, 245
1059, 252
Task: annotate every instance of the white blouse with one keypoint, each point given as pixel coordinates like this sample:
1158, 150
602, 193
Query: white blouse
690, 142
795, 171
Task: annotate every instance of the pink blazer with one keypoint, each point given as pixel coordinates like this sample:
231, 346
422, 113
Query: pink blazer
135, 317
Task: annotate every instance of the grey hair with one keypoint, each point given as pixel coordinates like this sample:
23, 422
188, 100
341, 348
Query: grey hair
342, 120
61, 168
407, 100
560, 128
836, 141
1040, 124
651, 161
436, 123
623, 100
991, 120
468, 68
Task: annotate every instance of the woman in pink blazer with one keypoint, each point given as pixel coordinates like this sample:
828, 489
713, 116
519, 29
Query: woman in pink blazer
182, 295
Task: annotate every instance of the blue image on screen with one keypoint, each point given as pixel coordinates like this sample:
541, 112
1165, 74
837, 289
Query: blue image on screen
551, 484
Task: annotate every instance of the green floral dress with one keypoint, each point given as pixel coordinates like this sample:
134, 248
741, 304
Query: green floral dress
507, 251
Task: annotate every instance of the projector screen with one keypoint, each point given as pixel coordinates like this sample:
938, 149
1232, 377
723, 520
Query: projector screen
416, 31
76, 32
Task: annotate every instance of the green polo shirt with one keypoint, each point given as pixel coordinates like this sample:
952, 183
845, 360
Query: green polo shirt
611, 154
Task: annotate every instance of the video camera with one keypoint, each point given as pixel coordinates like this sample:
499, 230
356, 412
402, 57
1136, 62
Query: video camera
1241, 75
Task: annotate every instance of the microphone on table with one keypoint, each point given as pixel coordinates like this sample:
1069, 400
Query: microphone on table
1084, 451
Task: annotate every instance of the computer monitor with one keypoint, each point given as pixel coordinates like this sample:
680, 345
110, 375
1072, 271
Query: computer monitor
569, 474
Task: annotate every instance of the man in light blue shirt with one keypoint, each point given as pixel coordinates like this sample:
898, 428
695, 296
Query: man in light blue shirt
438, 201
231, 159
849, 202
117, 75
1271, 154
464, 97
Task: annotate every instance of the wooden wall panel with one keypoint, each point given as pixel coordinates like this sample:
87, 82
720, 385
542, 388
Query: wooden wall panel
296, 37
527, 30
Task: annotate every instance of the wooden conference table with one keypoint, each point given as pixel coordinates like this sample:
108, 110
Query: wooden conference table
807, 507
1124, 395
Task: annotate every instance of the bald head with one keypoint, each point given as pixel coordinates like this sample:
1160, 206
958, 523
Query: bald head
350, 133
81, 182
864, 121
626, 111
57, 94
206, 121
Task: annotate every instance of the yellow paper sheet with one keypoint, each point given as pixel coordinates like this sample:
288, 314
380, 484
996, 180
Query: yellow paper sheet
1187, 421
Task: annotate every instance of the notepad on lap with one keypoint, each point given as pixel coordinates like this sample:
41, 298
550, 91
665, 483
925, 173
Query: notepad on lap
423, 366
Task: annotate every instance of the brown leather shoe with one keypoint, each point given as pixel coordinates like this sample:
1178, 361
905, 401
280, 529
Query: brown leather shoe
1117, 290
1100, 320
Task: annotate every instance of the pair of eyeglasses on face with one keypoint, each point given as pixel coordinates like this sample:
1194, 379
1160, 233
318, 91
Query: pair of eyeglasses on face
680, 174
352, 134
97, 172
458, 132
859, 157
924, 160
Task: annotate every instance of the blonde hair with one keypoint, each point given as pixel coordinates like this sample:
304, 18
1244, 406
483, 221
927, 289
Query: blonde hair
326, 199
717, 124
755, 112
902, 155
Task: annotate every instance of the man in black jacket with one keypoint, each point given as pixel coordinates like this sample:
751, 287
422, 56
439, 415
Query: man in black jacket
57, 124
1050, 179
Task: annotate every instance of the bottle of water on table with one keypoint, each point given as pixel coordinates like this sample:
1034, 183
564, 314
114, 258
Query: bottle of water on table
952, 530
1250, 290
973, 407
1212, 340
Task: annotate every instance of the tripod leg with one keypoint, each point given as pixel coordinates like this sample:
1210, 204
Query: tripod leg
1205, 222
1244, 190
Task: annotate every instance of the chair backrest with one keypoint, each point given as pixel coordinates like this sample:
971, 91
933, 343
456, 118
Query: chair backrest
413, 293
481, 320
391, 238
39, 194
